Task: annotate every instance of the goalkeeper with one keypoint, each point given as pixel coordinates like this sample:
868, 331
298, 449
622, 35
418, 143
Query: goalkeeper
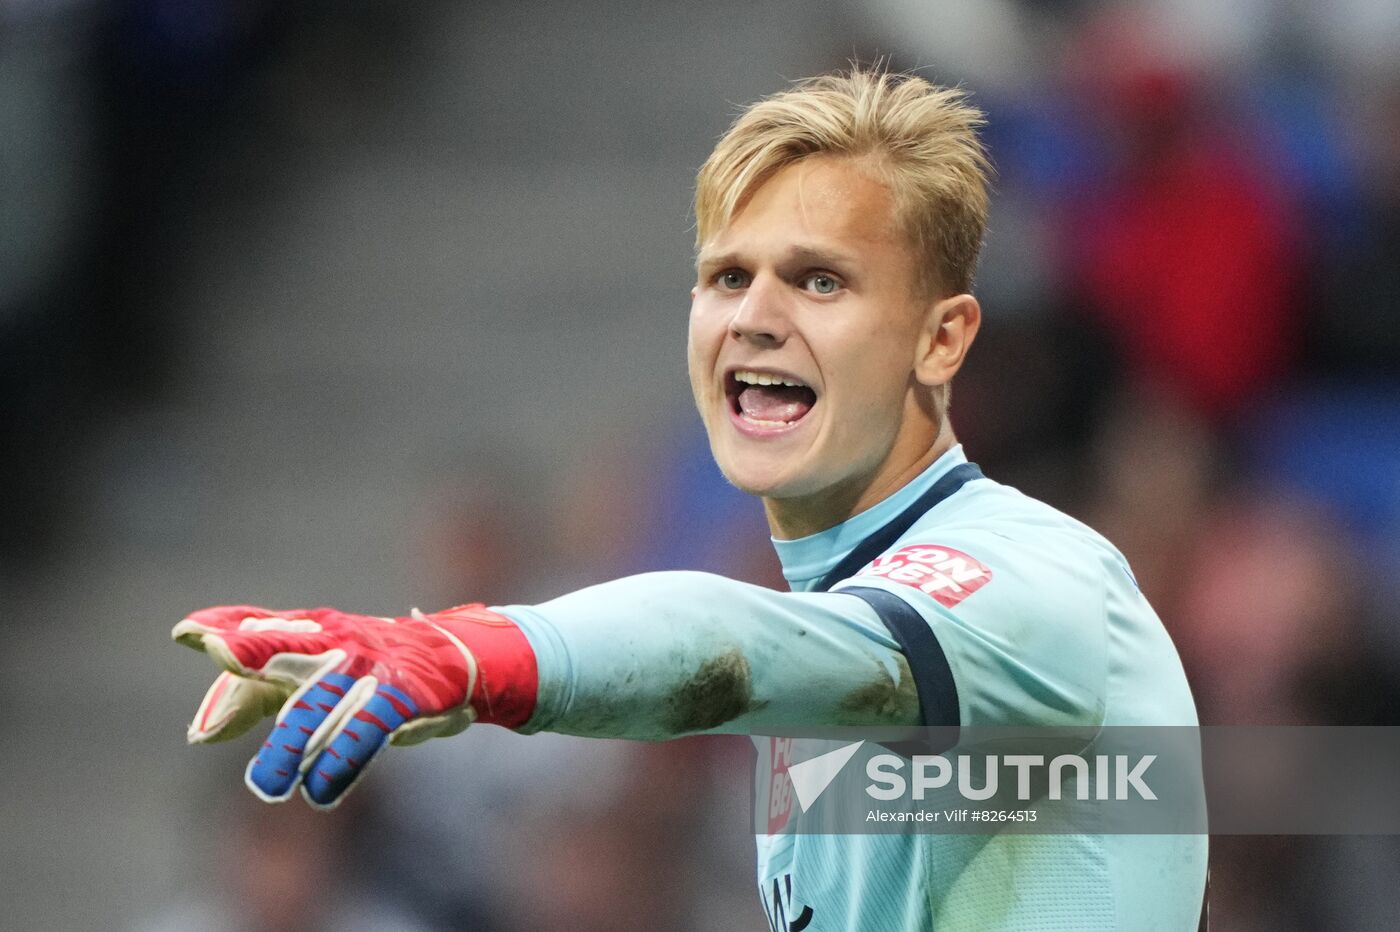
838, 225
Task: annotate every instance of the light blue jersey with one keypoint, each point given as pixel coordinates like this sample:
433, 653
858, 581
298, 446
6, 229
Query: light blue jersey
1037, 621
956, 601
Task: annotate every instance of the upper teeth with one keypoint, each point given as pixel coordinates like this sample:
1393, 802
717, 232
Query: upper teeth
758, 378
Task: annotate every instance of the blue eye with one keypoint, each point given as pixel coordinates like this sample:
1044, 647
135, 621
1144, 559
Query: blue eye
822, 284
732, 279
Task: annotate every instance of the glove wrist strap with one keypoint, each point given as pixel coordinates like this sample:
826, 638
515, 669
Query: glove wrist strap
507, 676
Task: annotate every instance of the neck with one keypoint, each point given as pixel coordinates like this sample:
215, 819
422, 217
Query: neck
791, 518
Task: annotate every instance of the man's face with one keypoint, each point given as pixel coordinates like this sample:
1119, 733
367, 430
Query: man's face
812, 286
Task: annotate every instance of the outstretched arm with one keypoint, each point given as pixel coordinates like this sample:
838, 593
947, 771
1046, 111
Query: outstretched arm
653, 656
668, 654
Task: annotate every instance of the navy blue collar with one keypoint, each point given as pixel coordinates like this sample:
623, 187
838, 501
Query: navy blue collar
884, 538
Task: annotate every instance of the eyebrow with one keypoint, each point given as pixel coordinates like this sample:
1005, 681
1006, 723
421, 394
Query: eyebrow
805, 256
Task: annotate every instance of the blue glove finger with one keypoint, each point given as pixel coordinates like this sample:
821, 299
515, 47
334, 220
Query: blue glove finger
273, 774
337, 768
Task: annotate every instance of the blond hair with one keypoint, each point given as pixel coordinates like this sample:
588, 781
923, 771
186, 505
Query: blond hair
919, 139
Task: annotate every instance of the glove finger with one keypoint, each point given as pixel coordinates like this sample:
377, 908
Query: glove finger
445, 725
291, 656
203, 631
274, 773
232, 705
359, 739
226, 617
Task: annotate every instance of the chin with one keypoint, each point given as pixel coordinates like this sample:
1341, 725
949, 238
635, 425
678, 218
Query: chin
757, 488
760, 476
747, 480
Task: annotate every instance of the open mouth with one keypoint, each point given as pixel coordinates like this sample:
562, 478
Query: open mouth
766, 400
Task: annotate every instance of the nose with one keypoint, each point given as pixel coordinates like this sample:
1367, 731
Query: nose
762, 315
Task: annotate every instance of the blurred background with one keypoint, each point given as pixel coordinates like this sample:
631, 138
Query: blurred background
383, 304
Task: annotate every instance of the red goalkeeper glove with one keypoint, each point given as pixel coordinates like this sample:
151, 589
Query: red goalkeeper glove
343, 685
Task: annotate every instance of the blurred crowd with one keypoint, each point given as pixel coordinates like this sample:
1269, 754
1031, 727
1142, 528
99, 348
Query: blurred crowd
1192, 342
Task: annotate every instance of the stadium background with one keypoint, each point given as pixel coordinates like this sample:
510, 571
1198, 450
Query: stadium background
381, 305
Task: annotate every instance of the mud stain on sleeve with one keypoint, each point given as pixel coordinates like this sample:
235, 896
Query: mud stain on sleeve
883, 700
719, 691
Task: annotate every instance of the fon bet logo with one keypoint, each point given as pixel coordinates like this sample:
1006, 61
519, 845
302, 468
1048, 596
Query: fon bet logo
946, 574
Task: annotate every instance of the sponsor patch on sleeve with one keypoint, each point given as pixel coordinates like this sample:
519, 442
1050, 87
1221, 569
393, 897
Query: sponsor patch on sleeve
946, 574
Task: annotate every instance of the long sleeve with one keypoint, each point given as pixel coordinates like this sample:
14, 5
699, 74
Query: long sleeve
666, 654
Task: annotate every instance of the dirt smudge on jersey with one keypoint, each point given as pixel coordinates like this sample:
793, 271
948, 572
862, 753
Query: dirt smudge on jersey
719, 691
883, 700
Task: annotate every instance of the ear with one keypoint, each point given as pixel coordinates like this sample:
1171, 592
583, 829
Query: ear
950, 326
